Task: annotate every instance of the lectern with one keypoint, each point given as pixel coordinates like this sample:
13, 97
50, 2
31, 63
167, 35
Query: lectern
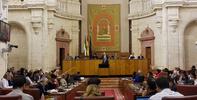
104, 65
104, 69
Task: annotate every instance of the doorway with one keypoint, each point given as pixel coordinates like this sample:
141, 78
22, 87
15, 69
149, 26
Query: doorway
147, 43
61, 56
62, 46
148, 56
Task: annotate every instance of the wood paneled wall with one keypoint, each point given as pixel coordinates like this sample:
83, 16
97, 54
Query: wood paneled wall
117, 67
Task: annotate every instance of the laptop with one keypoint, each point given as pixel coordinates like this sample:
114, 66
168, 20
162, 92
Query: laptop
143, 98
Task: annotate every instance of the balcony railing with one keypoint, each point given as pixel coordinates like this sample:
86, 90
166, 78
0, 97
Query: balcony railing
140, 8
16, 2
68, 7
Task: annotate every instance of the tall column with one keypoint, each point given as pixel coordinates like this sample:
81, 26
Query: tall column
164, 38
158, 46
3, 56
75, 37
173, 55
36, 39
3, 60
51, 47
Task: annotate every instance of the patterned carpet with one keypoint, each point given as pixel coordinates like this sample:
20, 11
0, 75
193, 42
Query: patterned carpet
113, 92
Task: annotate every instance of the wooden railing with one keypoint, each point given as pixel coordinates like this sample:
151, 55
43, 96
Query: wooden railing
117, 67
127, 90
67, 95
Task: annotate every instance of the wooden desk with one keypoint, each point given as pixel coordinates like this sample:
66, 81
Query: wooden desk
117, 67
127, 91
67, 95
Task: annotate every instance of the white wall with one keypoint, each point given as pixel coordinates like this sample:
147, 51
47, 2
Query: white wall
190, 37
40, 24
72, 27
3, 56
185, 28
3, 60
18, 56
169, 25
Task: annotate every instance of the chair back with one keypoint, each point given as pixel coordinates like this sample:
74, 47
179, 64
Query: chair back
187, 90
193, 97
95, 98
14, 97
5, 91
35, 92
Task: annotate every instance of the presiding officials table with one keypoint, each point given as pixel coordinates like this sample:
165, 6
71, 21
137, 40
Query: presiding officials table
116, 67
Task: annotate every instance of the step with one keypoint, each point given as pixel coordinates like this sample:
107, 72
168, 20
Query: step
110, 82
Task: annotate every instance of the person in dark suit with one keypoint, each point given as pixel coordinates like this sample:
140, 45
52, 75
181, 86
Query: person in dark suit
132, 56
94, 56
140, 56
105, 61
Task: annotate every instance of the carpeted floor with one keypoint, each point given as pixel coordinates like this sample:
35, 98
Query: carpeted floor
113, 92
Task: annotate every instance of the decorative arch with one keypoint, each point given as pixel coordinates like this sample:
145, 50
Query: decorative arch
62, 35
18, 57
189, 44
62, 46
189, 22
147, 34
147, 45
19, 24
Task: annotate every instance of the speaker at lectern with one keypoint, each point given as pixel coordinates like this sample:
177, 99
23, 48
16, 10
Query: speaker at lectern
105, 61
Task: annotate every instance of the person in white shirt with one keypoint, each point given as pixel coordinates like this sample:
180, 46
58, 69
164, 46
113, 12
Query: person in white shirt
4, 81
131, 56
195, 80
163, 89
19, 82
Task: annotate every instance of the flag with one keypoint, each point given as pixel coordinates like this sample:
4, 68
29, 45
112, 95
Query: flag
85, 47
90, 46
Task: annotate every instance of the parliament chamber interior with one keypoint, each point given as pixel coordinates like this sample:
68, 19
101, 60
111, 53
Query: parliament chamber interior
98, 50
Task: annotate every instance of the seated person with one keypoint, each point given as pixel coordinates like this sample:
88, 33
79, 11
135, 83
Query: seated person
132, 56
18, 83
138, 78
77, 57
94, 56
172, 84
77, 77
63, 83
93, 87
150, 89
5, 81
140, 57
52, 83
31, 83
159, 73
69, 79
68, 57
163, 89
42, 86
